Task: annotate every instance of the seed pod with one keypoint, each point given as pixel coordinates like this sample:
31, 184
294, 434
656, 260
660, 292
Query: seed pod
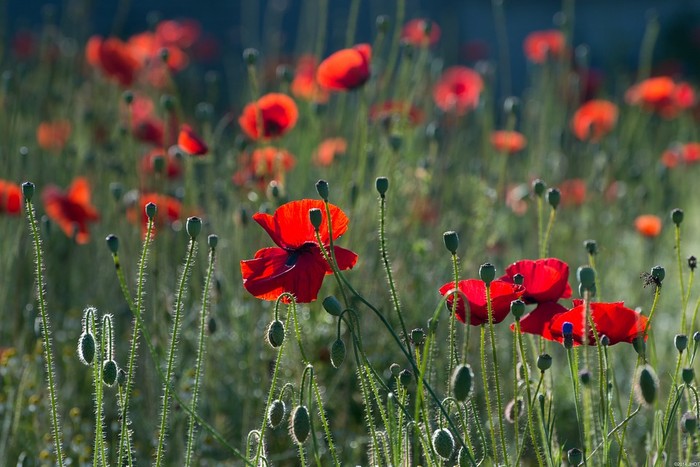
275, 413
300, 424
275, 333
382, 185
337, 353
86, 348
443, 443
688, 375
109, 372
316, 217
487, 272
681, 342
462, 381
544, 362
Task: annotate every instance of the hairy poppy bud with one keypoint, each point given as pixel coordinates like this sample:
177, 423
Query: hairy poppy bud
681, 342
109, 372
322, 189
417, 336
117, 190
275, 413
284, 73
382, 184
511, 104
250, 56
300, 424
86, 348
538, 186
677, 216
316, 217
591, 247
487, 273
586, 276
647, 385
639, 346
443, 443
332, 306
151, 210
544, 362
517, 308
658, 273
696, 336
337, 353
604, 340
212, 241
28, 190
395, 369
121, 377
275, 333
193, 226
451, 240
553, 197
462, 381
688, 375
585, 376
575, 456
518, 279
112, 243
405, 378
463, 458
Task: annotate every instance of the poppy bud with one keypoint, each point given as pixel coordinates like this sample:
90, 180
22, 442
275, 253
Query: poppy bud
121, 377
511, 105
275, 413
193, 226
575, 456
432, 325
517, 308
586, 276
250, 56
591, 247
86, 348
382, 184
322, 189
332, 306
544, 362
510, 410
382, 23
211, 325
151, 210
463, 457
604, 340
487, 273
681, 342
518, 279
117, 190
692, 262
274, 190
696, 336
538, 186
689, 422
395, 369
688, 375
677, 216
658, 273
553, 197
639, 346
647, 385
300, 424
109, 372
462, 381
417, 336
443, 443
585, 376
212, 241
337, 353
167, 102
28, 190
284, 73
405, 378
128, 97
112, 243
316, 217
275, 333
451, 240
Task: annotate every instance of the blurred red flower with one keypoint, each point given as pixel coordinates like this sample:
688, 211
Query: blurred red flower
114, 58
545, 280
688, 153
648, 225
661, 94
614, 320
594, 119
304, 84
270, 116
390, 109
263, 166
327, 150
458, 90
181, 33
10, 198
502, 293
53, 135
345, 69
539, 46
72, 210
421, 32
508, 142
190, 142
573, 192
172, 168
296, 265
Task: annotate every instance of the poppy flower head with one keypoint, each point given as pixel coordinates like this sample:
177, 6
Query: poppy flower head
172, 166
10, 198
328, 149
53, 135
648, 225
389, 110
72, 210
614, 320
263, 166
458, 90
474, 290
594, 119
539, 46
662, 95
345, 69
545, 280
270, 116
296, 265
190, 142
508, 142
688, 153
421, 32
182, 33
304, 84
117, 61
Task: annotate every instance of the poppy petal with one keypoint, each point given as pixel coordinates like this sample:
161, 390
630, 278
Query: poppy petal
538, 320
190, 142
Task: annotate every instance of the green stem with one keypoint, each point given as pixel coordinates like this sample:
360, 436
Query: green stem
573, 370
550, 224
499, 396
540, 226
98, 449
680, 276
352, 23
487, 395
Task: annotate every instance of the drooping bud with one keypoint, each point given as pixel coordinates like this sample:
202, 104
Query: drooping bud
443, 443
639, 346
584, 376
395, 369
275, 413
300, 424
462, 381
332, 306
322, 189
646, 385
86, 348
451, 240
405, 378
109, 372
337, 353
575, 456
316, 217
275, 333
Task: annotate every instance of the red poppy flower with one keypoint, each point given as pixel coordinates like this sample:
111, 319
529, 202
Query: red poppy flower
179, 33
53, 136
172, 166
263, 166
115, 60
538, 320
542, 45
420, 32
304, 84
545, 280
345, 69
594, 119
72, 211
391, 109
296, 265
614, 320
274, 114
573, 192
325, 153
190, 142
661, 94
169, 210
648, 225
508, 142
688, 153
502, 293
10, 198
458, 90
